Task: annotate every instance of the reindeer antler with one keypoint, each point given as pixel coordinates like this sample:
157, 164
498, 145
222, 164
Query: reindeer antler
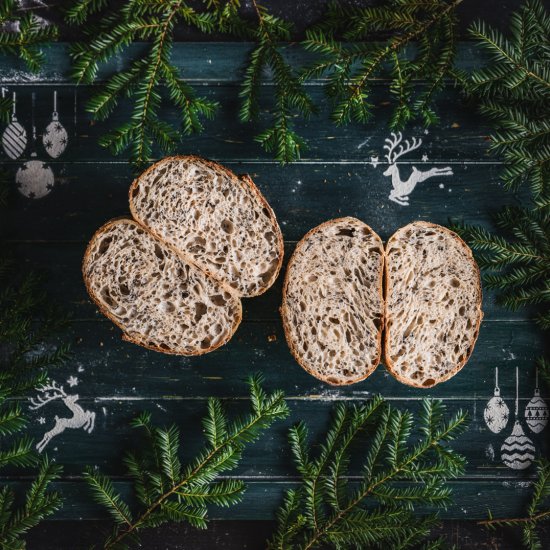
56, 393
393, 143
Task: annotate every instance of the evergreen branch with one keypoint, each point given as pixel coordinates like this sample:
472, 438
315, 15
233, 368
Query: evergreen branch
22, 35
518, 263
351, 68
147, 76
330, 513
290, 94
514, 92
168, 492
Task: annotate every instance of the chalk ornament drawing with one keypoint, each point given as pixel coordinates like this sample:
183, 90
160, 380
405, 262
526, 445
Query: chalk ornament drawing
496, 413
536, 412
14, 138
80, 419
517, 451
396, 148
55, 138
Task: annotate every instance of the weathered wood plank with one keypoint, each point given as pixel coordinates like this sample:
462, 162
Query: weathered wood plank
268, 459
262, 498
461, 135
112, 368
199, 62
302, 195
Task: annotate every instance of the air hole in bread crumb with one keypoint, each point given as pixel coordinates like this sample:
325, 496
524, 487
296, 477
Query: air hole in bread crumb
124, 290
461, 310
334, 320
455, 283
227, 226
104, 245
200, 310
218, 300
345, 232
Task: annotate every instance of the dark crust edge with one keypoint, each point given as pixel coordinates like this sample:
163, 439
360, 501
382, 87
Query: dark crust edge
284, 306
104, 311
244, 180
470, 256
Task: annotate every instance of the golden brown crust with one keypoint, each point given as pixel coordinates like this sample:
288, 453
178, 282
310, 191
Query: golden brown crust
284, 308
245, 180
104, 311
387, 361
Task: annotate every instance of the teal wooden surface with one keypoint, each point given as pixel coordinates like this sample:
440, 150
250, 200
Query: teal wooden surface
336, 177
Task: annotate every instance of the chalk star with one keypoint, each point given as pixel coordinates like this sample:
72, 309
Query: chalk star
58, 127
424, 157
374, 161
48, 144
72, 381
41, 420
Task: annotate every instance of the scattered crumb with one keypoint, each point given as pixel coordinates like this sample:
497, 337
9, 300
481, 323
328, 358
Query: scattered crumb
272, 338
455, 125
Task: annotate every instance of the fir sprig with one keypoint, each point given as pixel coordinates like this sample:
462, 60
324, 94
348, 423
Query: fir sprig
514, 92
352, 68
147, 75
398, 472
166, 489
516, 263
22, 34
291, 97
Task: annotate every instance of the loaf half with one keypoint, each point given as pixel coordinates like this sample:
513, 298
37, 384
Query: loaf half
332, 306
218, 221
433, 304
159, 300
336, 311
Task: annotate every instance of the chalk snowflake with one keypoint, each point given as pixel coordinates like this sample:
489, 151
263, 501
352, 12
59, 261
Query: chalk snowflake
72, 381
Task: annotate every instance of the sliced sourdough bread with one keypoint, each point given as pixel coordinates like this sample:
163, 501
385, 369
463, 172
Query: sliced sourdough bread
433, 304
332, 305
218, 221
159, 300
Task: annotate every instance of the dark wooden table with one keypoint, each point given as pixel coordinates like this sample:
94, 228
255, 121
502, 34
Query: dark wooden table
341, 174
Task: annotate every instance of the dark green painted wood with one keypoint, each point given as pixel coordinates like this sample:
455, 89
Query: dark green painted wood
505, 497
302, 195
336, 177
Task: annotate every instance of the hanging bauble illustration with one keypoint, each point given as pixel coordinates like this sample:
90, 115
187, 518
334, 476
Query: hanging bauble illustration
518, 451
14, 138
55, 136
536, 412
34, 179
496, 411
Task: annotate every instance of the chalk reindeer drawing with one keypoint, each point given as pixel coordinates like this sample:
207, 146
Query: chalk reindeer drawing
402, 189
80, 419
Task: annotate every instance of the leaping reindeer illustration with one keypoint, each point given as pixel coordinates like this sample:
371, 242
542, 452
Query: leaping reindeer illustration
402, 189
80, 419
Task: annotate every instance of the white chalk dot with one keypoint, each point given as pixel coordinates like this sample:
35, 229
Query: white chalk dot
441, 186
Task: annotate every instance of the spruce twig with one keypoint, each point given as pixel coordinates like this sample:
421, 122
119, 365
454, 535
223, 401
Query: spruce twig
397, 475
168, 491
351, 68
146, 77
290, 94
514, 92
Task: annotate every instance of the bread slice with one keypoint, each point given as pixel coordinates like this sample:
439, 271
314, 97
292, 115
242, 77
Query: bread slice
159, 300
332, 306
433, 304
218, 221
